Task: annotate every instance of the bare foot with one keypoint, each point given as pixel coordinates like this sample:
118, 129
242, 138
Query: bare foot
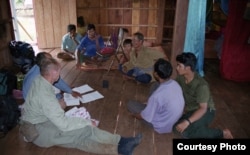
227, 134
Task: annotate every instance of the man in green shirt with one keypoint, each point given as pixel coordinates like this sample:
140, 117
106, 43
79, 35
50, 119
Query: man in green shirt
43, 112
199, 105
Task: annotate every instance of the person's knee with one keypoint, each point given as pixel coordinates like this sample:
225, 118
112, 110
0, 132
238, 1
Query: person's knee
145, 78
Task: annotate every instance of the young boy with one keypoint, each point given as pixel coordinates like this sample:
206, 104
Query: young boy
127, 47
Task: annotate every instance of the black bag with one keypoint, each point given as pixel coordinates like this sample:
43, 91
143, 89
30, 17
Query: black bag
9, 114
8, 82
23, 55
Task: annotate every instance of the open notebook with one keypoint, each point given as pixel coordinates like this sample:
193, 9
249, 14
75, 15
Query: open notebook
88, 95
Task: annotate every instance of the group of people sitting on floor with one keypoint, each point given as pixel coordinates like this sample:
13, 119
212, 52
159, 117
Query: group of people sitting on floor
183, 105
133, 65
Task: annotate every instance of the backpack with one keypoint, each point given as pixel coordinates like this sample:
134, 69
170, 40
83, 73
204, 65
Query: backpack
8, 82
23, 55
9, 114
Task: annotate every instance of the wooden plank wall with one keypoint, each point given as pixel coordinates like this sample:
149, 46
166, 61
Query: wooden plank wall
169, 18
6, 34
135, 15
52, 18
154, 18
147, 16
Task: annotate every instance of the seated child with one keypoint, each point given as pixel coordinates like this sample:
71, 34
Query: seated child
127, 48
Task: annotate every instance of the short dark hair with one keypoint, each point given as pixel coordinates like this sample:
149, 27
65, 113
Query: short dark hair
187, 59
139, 35
80, 21
125, 30
91, 26
127, 41
163, 68
71, 27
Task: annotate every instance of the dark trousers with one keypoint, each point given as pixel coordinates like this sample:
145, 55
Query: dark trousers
200, 128
142, 78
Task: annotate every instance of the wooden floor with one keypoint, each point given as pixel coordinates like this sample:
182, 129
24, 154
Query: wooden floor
232, 102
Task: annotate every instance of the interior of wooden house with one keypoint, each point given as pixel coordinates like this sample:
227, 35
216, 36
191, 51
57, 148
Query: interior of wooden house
224, 58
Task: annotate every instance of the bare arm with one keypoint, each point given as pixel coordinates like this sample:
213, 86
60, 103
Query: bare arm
75, 41
78, 57
73, 37
199, 112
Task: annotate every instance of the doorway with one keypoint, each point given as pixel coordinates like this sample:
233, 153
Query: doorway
23, 21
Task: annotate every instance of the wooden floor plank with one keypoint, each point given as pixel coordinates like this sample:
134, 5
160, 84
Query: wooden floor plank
231, 98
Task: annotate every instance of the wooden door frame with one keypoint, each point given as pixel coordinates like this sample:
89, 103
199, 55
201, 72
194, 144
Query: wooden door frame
179, 31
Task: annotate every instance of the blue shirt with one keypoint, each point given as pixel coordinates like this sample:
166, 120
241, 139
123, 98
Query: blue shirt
89, 46
164, 107
33, 73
